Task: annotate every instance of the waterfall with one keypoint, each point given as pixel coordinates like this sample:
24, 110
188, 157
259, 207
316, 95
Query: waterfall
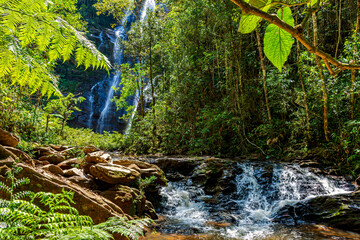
107, 112
260, 193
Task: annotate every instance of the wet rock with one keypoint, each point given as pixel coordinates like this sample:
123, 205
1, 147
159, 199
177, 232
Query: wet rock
129, 199
149, 210
53, 169
115, 174
184, 166
87, 203
8, 139
340, 211
70, 163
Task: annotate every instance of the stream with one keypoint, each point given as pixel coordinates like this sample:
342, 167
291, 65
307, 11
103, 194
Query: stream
249, 207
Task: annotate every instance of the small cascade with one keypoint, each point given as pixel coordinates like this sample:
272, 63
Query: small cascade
261, 191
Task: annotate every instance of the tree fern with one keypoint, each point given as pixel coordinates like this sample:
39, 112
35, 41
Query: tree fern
35, 35
22, 219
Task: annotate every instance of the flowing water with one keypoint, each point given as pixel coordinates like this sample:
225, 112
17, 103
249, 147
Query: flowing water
106, 112
248, 211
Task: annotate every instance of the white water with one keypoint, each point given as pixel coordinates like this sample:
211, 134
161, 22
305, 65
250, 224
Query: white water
120, 34
252, 206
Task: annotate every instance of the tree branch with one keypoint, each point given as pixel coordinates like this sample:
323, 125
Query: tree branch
297, 34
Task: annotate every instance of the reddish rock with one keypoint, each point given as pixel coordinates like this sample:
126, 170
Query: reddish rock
59, 147
82, 181
53, 169
54, 158
87, 202
130, 200
73, 172
115, 174
5, 153
23, 156
44, 151
70, 163
97, 157
90, 149
8, 139
146, 169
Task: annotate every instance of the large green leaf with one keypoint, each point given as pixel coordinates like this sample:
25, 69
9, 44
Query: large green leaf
278, 42
249, 22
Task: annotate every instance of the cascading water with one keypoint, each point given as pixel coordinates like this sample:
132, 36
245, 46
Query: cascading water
108, 113
261, 191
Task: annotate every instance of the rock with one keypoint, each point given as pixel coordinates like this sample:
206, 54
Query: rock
73, 172
184, 166
44, 151
70, 163
82, 181
59, 148
8, 139
146, 169
340, 211
53, 169
4, 154
94, 158
40, 163
130, 200
23, 156
90, 149
150, 211
87, 202
115, 174
54, 158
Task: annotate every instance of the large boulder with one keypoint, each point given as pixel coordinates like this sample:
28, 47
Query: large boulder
340, 211
54, 158
130, 200
8, 139
4, 153
97, 157
23, 156
146, 169
87, 202
115, 174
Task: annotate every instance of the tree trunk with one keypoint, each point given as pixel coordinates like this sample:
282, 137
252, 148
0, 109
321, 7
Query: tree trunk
307, 115
263, 76
323, 80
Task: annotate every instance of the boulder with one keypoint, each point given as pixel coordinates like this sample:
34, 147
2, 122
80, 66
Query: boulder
59, 147
4, 154
70, 163
54, 158
87, 202
53, 169
149, 210
8, 139
23, 156
97, 157
73, 172
341, 211
82, 181
44, 151
115, 174
130, 200
90, 149
146, 169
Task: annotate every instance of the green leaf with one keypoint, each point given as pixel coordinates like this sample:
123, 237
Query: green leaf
249, 22
278, 42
